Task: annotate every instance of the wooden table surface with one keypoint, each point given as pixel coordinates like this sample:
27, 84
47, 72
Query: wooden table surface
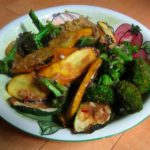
137, 138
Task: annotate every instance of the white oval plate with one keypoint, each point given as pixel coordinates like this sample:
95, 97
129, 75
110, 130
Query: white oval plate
10, 32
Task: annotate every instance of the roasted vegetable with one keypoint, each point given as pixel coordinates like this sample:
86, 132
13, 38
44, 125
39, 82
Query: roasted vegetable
115, 60
38, 108
6, 63
36, 21
140, 75
25, 88
28, 42
65, 71
91, 116
59, 91
69, 39
86, 41
107, 39
102, 94
47, 117
41, 58
81, 90
124, 51
129, 98
114, 67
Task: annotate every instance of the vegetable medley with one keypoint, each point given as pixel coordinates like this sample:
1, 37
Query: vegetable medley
77, 74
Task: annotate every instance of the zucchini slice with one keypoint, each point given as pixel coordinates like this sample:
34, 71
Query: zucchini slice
91, 116
30, 108
106, 34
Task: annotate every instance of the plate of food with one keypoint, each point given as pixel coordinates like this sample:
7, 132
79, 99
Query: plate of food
74, 73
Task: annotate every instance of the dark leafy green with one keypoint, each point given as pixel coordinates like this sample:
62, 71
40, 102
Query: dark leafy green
6, 63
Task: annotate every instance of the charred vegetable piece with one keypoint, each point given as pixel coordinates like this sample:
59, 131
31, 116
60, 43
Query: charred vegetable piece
106, 34
116, 59
129, 98
28, 42
91, 116
67, 70
69, 39
81, 90
41, 58
25, 88
33, 61
6, 63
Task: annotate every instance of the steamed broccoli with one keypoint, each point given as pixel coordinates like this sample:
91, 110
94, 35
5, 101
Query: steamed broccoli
140, 75
129, 98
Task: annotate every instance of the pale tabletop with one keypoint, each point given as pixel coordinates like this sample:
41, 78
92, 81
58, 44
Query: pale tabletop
137, 138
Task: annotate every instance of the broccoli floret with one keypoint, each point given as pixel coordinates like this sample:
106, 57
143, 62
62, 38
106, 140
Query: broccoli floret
129, 98
85, 41
28, 42
114, 67
105, 80
100, 94
125, 51
59, 91
140, 75
114, 60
